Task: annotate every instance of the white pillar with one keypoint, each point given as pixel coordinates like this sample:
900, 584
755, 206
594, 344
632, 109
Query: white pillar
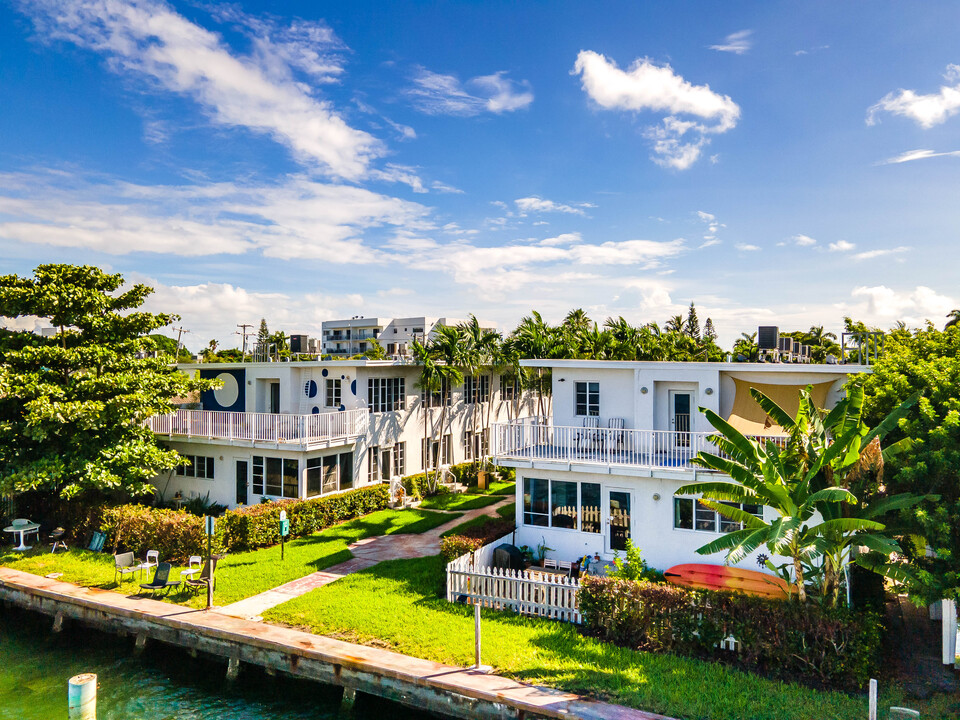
82, 697
949, 626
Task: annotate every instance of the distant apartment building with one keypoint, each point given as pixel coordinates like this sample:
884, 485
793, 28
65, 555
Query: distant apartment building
345, 338
305, 429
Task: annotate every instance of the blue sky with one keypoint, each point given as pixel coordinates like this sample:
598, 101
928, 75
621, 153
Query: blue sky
777, 163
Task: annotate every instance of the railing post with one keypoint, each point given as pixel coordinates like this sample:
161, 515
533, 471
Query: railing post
230, 426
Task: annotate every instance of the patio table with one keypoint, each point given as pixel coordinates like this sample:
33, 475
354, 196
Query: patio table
23, 530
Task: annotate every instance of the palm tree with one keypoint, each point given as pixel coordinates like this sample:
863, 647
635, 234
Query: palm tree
429, 382
534, 339
476, 356
577, 321
747, 346
806, 475
675, 324
446, 349
954, 319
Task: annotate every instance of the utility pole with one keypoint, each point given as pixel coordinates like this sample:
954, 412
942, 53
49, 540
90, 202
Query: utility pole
243, 331
180, 332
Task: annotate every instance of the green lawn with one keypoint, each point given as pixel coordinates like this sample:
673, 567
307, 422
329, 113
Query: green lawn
461, 501
476, 522
495, 488
239, 575
508, 511
397, 603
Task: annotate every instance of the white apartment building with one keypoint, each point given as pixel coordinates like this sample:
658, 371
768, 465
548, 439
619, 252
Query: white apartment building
305, 429
352, 337
605, 466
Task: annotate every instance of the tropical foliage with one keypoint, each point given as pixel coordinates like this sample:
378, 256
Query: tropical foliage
73, 405
808, 481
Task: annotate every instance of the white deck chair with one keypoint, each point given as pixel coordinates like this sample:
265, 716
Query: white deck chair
565, 565
153, 560
617, 434
589, 435
549, 563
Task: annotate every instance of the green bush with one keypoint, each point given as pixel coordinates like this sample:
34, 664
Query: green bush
456, 545
258, 526
175, 534
777, 637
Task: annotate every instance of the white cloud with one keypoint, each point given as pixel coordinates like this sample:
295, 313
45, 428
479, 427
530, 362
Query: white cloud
646, 86
737, 43
910, 155
746, 247
871, 254
535, 204
295, 218
841, 246
804, 240
442, 187
885, 306
925, 110
563, 239
438, 94
149, 40
713, 226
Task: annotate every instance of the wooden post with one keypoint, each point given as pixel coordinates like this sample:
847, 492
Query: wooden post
82, 697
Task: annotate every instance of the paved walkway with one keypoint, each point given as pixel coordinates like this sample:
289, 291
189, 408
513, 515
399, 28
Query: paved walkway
366, 553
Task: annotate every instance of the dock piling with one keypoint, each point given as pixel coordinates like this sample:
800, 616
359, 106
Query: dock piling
58, 622
82, 697
233, 668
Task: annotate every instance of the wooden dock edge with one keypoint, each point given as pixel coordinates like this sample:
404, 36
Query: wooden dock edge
422, 684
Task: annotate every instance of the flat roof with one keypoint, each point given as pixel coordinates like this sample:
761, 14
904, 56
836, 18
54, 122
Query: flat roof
721, 366
298, 363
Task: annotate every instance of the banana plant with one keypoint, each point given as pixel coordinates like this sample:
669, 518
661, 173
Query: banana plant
819, 522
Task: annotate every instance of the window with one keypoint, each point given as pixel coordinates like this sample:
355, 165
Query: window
329, 473
197, 466
373, 465
694, 515
563, 504
386, 394
476, 389
535, 502
590, 507
400, 458
332, 393
437, 398
509, 387
476, 444
279, 477
588, 398
437, 450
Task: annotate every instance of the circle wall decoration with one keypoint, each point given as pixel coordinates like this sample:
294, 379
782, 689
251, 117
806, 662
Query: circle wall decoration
227, 395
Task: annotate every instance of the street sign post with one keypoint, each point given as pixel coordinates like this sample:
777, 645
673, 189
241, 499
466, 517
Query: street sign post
284, 530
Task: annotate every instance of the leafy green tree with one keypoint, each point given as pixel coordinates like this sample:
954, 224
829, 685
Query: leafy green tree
805, 476
73, 406
953, 319
927, 361
709, 332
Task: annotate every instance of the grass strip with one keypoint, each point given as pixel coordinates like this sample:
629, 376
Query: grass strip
455, 501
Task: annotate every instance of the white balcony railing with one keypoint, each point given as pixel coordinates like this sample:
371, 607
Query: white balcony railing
537, 439
300, 430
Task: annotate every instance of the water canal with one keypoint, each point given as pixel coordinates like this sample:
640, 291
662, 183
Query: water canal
160, 683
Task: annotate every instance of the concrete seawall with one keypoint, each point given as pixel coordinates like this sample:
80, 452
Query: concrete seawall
443, 689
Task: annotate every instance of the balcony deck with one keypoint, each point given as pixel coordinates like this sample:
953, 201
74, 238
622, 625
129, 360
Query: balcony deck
527, 440
295, 431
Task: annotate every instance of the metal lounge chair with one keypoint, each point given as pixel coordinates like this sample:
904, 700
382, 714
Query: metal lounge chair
125, 564
160, 581
207, 575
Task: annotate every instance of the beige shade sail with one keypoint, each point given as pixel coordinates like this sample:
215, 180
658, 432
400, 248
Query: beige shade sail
750, 419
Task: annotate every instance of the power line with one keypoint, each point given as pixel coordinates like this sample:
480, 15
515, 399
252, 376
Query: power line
243, 331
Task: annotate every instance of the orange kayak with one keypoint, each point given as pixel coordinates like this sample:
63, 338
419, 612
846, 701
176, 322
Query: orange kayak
721, 577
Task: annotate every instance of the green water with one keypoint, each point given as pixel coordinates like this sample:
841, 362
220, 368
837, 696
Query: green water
160, 683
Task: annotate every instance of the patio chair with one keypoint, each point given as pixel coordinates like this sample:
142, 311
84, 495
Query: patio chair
125, 564
207, 575
153, 559
160, 581
617, 433
590, 433
565, 565
193, 567
549, 563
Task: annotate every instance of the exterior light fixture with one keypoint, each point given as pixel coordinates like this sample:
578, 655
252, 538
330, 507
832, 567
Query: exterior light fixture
644, 391
656, 497
562, 380
709, 391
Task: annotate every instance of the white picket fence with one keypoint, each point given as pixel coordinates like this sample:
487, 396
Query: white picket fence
525, 592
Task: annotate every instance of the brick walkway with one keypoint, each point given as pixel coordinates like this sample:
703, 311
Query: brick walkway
366, 553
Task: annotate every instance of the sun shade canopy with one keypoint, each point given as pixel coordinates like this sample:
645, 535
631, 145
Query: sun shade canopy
750, 419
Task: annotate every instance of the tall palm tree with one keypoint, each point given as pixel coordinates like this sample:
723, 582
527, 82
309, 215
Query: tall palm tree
577, 321
534, 339
446, 347
478, 345
675, 324
429, 382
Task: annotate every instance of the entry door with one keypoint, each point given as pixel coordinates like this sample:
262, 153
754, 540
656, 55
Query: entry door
680, 403
243, 473
619, 518
385, 463
275, 397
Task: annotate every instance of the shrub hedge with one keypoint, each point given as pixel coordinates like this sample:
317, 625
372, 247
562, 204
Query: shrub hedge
258, 526
454, 546
777, 637
175, 534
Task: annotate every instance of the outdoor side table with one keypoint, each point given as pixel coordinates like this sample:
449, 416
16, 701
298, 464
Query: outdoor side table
23, 530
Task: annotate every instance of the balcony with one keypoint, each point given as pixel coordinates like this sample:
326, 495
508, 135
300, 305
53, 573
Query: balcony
534, 440
293, 431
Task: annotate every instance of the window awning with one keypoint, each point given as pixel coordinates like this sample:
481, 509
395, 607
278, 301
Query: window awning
750, 419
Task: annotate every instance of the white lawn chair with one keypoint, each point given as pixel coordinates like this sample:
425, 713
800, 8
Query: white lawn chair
565, 565
589, 436
194, 565
549, 564
153, 560
617, 434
